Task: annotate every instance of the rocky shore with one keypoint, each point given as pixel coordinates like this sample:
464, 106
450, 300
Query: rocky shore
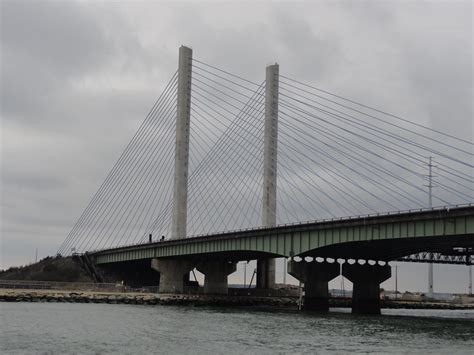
142, 298
15, 295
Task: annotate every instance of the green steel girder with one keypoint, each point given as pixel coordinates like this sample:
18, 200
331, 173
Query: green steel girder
428, 226
465, 257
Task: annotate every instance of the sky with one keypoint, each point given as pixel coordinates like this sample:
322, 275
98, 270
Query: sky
78, 78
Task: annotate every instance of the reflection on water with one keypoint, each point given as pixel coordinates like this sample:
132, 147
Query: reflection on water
104, 328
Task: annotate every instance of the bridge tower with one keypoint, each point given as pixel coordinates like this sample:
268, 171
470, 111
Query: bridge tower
174, 273
266, 267
181, 161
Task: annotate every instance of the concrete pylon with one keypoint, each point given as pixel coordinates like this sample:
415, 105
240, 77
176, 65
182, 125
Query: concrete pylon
366, 281
215, 275
315, 277
181, 159
266, 267
172, 274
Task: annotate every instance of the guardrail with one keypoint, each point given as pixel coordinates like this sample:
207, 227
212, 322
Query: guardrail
54, 285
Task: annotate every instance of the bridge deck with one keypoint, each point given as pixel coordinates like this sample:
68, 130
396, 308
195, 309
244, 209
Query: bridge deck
378, 237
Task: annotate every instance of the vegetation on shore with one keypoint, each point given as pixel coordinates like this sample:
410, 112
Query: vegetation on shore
60, 269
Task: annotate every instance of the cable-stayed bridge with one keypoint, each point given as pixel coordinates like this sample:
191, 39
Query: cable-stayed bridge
224, 169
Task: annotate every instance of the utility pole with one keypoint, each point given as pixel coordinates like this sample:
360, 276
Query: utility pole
266, 267
300, 296
245, 273
430, 201
470, 280
181, 160
396, 281
430, 183
343, 288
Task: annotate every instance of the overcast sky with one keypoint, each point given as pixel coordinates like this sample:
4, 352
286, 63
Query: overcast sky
78, 77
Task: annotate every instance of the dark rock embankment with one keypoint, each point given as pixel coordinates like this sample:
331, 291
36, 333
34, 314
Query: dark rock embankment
196, 300
426, 305
143, 299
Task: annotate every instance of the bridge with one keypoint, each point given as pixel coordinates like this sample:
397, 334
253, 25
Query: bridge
335, 157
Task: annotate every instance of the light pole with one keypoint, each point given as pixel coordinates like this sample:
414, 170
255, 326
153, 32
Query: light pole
245, 273
470, 280
396, 281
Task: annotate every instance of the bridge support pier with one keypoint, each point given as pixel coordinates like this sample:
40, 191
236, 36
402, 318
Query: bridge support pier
315, 277
366, 281
215, 275
266, 273
172, 274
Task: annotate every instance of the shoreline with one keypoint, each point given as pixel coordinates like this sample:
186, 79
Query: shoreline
18, 295
138, 298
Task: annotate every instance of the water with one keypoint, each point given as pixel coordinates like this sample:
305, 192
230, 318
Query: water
125, 329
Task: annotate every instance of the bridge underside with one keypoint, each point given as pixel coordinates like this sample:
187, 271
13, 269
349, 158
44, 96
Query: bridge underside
134, 273
393, 249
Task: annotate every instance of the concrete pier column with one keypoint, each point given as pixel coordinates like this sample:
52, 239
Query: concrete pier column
315, 277
215, 275
266, 273
366, 281
266, 267
180, 194
172, 274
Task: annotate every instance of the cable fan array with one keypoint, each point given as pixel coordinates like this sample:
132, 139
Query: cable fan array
226, 142
226, 138
128, 198
336, 157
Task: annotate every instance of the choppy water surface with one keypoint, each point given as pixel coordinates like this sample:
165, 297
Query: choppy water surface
103, 328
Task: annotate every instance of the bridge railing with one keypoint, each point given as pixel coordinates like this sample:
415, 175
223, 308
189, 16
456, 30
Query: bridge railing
54, 285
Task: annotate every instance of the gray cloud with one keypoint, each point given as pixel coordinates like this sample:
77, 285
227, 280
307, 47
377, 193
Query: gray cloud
45, 45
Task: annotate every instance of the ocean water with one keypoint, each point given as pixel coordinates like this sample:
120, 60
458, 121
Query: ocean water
61, 328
